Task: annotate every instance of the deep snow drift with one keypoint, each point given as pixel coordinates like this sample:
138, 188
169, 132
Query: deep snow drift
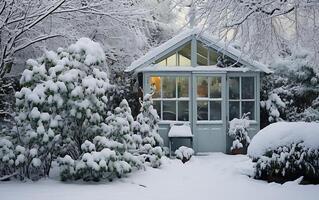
214, 176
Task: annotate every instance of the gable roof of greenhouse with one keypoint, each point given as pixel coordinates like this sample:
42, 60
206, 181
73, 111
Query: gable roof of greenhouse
185, 36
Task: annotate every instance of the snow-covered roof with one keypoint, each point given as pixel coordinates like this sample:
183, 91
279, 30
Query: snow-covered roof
180, 131
186, 36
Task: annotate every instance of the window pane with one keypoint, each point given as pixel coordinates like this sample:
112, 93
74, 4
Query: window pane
184, 55
182, 86
212, 57
162, 63
169, 110
171, 61
169, 87
202, 110
234, 88
156, 81
183, 111
247, 88
157, 106
215, 87
202, 54
249, 107
202, 86
233, 110
183, 61
215, 110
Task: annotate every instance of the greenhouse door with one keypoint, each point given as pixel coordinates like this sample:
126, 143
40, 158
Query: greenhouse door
209, 112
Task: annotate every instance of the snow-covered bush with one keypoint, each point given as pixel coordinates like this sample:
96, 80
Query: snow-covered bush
7, 157
291, 91
184, 153
111, 154
272, 105
61, 104
284, 151
146, 126
238, 131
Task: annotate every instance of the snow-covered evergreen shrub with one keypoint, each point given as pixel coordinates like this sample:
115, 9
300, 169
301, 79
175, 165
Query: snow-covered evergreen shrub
184, 153
285, 151
273, 105
61, 104
288, 163
125, 87
238, 131
146, 126
291, 91
7, 157
111, 154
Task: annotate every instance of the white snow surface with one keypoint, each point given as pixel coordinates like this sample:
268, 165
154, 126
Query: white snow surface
206, 177
284, 133
180, 131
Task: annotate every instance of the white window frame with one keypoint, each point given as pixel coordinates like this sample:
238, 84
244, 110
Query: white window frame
176, 99
240, 100
209, 99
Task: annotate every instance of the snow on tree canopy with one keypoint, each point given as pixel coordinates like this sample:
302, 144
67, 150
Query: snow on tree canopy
93, 50
284, 134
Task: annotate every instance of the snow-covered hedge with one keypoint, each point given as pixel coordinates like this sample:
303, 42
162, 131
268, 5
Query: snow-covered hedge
184, 153
286, 150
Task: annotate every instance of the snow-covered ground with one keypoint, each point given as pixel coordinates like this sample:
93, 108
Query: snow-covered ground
214, 176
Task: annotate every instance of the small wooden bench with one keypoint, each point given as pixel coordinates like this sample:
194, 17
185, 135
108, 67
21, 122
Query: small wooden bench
179, 131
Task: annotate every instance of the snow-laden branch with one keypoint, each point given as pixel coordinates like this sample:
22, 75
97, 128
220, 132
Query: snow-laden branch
45, 15
35, 40
23, 24
264, 28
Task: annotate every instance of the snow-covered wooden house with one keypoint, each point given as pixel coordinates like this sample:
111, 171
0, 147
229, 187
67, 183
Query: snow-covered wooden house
202, 82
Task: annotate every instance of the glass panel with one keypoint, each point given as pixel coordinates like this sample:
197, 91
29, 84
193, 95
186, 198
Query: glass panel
183, 112
202, 86
162, 63
169, 110
215, 110
202, 110
215, 87
234, 88
171, 61
157, 106
248, 106
184, 55
169, 87
202, 54
247, 88
183, 61
156, 81
182, 86
233, 110
212, 57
